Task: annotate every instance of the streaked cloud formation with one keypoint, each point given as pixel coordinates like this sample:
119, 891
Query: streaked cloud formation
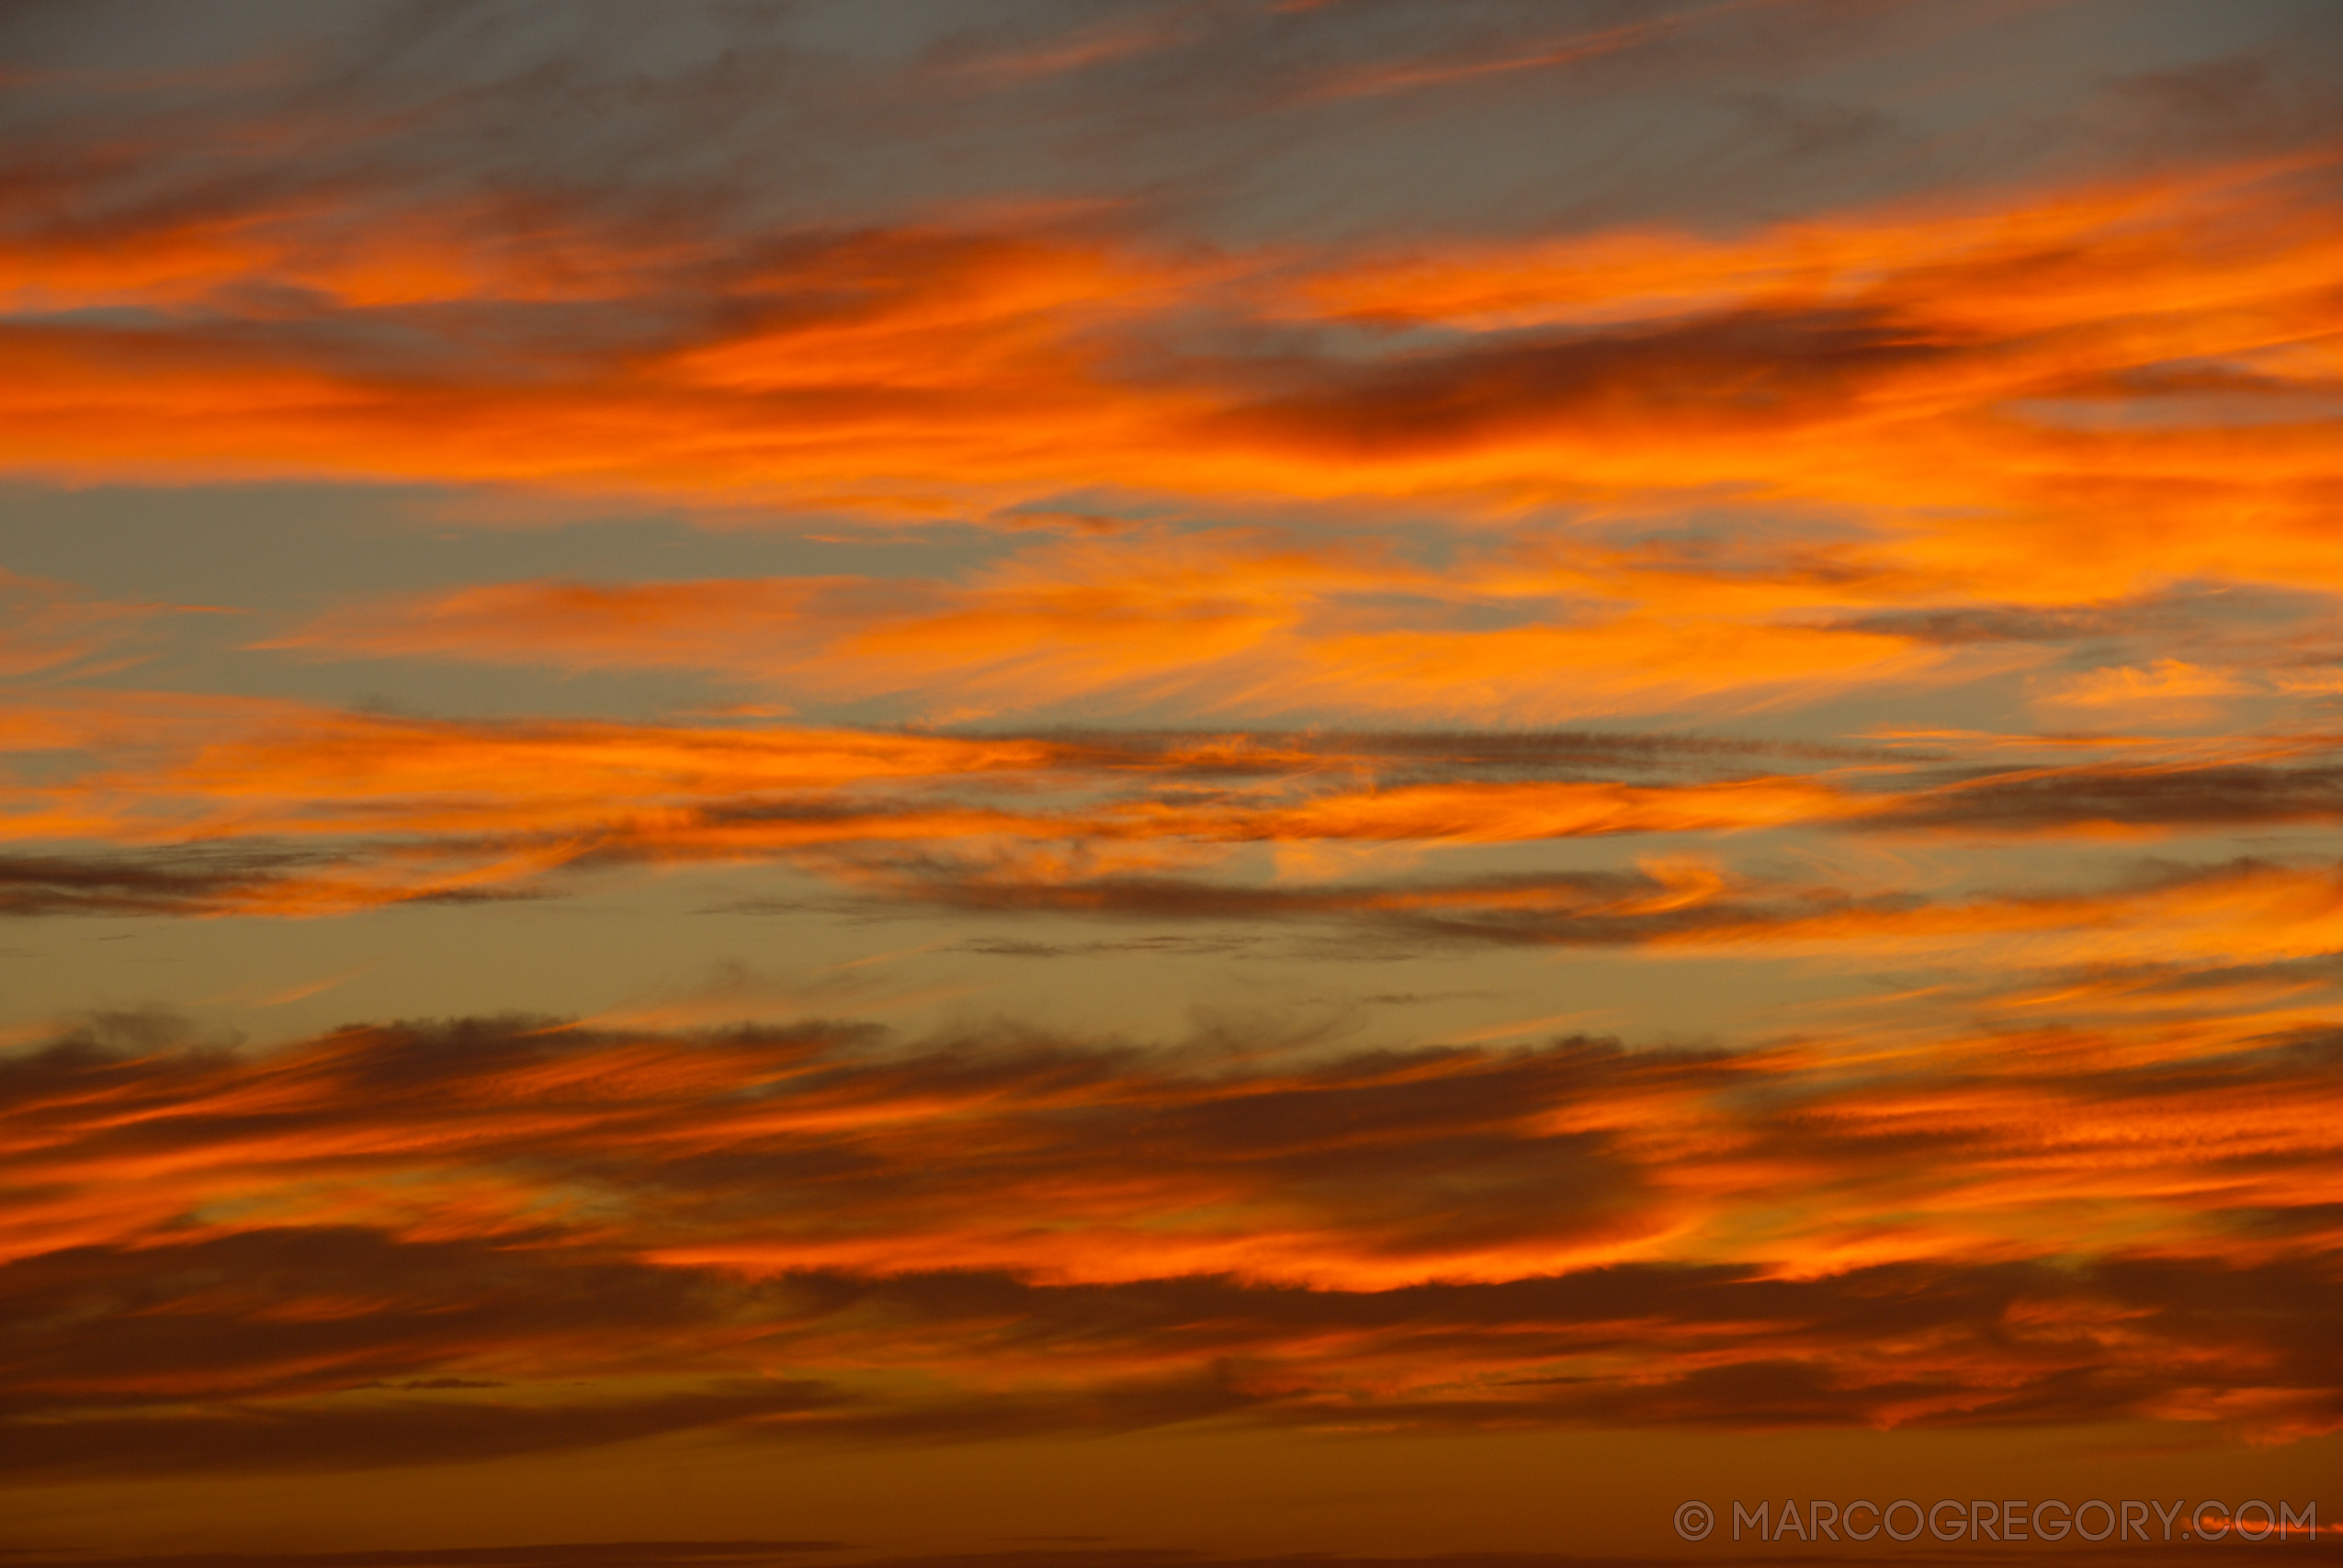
1389, 723
384, 1242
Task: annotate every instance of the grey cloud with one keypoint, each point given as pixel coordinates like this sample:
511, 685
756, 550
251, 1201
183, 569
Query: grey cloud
1744, 370
2014, 622
2036, 800
1555, 909
192, 881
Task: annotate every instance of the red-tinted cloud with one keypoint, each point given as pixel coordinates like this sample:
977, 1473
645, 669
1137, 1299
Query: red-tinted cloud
508, 1236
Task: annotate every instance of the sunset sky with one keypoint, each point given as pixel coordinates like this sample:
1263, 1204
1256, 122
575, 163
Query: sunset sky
1163, 782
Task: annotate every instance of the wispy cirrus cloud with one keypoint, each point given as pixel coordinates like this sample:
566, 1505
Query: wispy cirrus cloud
1537, 55
942, 367
276, 809
1213, 623
54, 630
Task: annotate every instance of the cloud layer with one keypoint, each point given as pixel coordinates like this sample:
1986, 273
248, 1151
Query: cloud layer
397, 1244
1815, 516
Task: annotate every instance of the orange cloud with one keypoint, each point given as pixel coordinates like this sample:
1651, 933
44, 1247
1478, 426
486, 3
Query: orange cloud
276, 809
1935, 412
1418, 75
2008, 1228
50, 628
2168, 688
1219, 621
270, 808
2010, 365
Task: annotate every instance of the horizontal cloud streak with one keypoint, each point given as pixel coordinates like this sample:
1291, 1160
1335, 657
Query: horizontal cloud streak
939, 369
262, 808
509, 1236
